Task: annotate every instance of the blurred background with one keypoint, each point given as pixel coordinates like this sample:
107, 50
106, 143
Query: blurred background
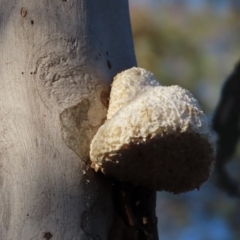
195, 44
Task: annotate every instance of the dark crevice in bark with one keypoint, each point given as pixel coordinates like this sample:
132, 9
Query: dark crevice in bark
135, 212
47, 235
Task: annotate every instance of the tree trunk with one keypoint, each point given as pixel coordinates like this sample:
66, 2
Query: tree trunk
57, 60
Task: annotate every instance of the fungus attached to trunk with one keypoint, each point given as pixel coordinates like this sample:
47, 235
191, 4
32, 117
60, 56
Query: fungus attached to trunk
154, 136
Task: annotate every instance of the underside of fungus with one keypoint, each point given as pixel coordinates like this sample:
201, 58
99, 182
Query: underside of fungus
154, 136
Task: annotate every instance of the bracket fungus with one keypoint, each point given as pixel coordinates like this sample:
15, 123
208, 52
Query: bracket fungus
154, 136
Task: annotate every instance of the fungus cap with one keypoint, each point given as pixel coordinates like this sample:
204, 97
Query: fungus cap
127, 85
159, 139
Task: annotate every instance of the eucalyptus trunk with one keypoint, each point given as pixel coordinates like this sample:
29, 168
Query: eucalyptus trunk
57, 61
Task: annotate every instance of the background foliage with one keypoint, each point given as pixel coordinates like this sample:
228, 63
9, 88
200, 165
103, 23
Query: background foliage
194, 44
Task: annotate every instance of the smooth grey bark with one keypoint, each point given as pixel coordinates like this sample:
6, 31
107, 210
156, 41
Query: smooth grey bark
57, 60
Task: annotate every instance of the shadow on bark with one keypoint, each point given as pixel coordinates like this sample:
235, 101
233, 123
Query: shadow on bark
135, 217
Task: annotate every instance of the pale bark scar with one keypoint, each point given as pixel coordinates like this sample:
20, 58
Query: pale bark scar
81, 95
80, 123
60, 79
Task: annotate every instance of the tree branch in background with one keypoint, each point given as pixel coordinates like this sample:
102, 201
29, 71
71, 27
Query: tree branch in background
226, 123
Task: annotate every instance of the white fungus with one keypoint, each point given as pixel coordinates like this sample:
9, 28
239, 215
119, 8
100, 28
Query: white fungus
154, 135
127, 86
